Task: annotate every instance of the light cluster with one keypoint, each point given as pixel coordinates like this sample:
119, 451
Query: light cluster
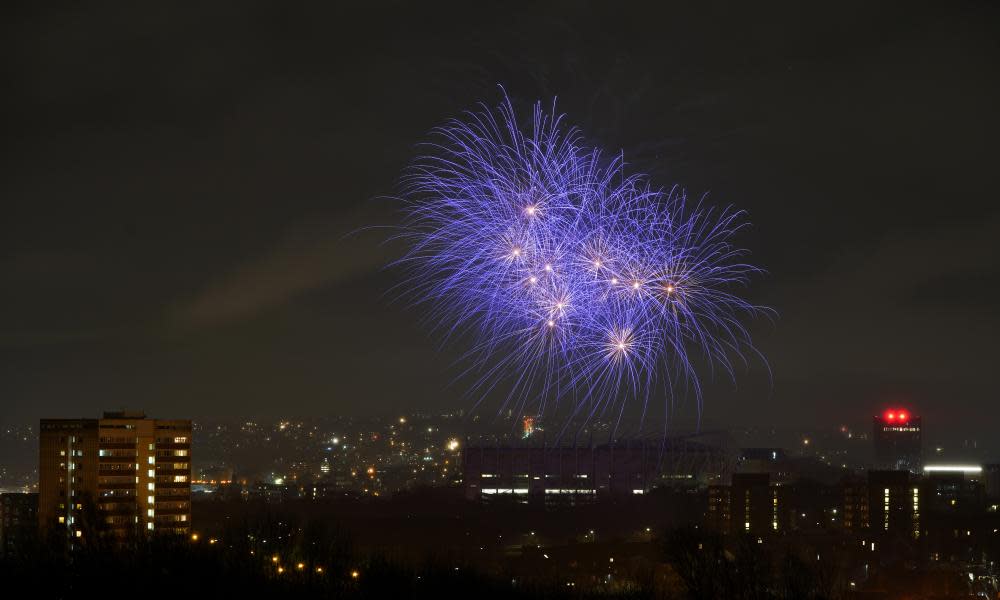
566, 278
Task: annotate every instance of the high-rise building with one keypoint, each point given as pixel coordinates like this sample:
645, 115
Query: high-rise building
119, 474
898, 442
991, 480
750, 505
894, 504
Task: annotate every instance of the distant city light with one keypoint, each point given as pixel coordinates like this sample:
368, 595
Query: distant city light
953, 469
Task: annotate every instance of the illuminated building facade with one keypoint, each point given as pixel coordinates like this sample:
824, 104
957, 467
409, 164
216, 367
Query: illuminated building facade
552, 474
119, 474
854, 509
750, 505
894, 503
898, 441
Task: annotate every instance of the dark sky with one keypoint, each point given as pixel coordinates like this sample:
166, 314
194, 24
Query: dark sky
177, 184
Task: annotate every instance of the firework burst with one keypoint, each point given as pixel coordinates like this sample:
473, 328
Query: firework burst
568, 281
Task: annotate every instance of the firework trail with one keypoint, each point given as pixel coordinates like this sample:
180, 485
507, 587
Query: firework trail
568, 281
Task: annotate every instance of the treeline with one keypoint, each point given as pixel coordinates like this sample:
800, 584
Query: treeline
740, 568
272, 557
280, 554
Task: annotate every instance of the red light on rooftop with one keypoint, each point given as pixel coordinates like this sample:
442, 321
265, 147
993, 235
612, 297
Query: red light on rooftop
896, 416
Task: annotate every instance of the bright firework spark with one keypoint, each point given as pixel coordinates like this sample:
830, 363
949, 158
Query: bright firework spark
575, 281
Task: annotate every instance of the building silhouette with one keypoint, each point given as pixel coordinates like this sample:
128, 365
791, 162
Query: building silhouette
750, 505
18, 520
898, 441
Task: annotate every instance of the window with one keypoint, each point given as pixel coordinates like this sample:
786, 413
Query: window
180, 440
180, 478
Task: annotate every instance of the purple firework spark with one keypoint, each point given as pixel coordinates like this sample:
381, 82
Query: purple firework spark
568, 280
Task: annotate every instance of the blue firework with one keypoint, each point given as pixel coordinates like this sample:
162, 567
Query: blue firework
567, 281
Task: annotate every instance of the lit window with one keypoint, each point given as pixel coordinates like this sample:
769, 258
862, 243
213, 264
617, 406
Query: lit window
180, 440
150, 460
150, 486
180, 478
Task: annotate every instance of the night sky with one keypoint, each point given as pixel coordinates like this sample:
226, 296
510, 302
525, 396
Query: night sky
178, 183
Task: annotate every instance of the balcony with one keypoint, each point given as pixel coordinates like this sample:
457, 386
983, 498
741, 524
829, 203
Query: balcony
121, 485
173, 511
116, 459
173, 484
172, 446
117, 446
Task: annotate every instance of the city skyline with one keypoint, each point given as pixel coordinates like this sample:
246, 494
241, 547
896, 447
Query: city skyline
565, 299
